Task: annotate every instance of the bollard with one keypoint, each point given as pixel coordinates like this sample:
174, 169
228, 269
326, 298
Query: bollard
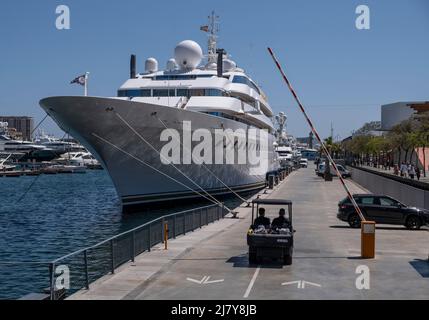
166, 235
277, 180
368, 240
271, 181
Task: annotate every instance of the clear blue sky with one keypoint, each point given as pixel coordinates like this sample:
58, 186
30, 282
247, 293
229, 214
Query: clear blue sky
342, 74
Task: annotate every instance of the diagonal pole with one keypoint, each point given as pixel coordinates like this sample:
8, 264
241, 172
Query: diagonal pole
313, 129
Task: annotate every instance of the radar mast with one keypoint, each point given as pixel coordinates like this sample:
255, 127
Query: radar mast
212, 29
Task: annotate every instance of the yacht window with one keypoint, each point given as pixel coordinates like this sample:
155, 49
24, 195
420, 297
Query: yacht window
164, 92
171, 93
182, 92
245, 80
146, 93
181, 77
197, 92
213, 92
134, 93
239, 79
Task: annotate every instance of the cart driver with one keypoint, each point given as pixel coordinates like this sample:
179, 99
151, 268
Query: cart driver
281, 221
262, 220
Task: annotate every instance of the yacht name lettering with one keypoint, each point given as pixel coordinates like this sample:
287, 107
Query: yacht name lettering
230, 146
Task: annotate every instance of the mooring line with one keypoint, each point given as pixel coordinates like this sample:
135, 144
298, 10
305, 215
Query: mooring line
155, 169
173, 165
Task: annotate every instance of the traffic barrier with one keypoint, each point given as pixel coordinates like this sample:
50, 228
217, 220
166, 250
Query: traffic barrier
368, 240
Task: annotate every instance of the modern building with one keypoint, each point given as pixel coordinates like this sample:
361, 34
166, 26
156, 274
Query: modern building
394, 113
22, 125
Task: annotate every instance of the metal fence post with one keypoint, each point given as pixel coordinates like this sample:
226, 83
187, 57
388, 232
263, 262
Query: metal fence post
133, 246
162, 230
85, 258
174, 227
149, 238
52, 281
207, 216
112, 253
184, 223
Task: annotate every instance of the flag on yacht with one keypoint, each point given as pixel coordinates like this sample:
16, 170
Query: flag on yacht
80, 80
204, 28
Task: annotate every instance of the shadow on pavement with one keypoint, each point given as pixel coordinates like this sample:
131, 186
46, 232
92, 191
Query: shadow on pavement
421, 266
242, 261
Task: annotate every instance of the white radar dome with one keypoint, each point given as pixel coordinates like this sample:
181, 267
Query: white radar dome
229, 65
171, 65
151, 65
188, 54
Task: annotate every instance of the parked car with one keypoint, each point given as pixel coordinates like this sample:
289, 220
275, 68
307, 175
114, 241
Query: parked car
382, 209
303, 163
320, 171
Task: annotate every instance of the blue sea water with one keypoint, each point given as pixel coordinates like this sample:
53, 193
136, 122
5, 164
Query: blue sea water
46, 217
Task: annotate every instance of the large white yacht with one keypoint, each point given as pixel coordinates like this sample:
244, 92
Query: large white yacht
7, 144
126, 133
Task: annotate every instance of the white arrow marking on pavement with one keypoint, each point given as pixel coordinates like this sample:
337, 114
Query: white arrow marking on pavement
292, 282
205, 280
310, 284
301, 284
213, 281
197, 281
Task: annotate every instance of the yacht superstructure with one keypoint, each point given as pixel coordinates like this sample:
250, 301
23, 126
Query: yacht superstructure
127, 133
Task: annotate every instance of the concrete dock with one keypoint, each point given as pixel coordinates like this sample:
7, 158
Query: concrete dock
212, 263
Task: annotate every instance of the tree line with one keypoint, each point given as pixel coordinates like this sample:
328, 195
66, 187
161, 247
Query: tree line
391, 148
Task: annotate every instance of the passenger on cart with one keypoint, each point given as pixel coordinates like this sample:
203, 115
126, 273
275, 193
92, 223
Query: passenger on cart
262, 220
281, 222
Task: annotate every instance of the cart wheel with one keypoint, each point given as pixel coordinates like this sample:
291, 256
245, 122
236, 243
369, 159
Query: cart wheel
287, 260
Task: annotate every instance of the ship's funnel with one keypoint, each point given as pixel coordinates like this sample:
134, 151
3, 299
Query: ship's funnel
133, 66
220, 53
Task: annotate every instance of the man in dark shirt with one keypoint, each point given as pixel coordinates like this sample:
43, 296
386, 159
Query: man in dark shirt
281, 221
262, 220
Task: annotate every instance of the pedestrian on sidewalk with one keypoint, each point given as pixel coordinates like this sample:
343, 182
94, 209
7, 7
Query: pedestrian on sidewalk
418, 173
396, 170
411, 171
403, 169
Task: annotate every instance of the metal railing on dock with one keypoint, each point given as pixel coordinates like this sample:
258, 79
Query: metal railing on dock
79, 269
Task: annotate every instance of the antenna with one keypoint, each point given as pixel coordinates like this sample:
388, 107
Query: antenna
213, 29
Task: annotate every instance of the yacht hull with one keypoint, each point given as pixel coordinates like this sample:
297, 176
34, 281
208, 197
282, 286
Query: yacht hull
125, 137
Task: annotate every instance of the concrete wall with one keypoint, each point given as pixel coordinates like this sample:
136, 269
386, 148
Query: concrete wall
380, 185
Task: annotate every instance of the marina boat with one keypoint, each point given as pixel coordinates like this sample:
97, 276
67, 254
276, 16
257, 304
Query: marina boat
82, 159
4, 166
26, 150
58, 146
174, 110
285, 145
